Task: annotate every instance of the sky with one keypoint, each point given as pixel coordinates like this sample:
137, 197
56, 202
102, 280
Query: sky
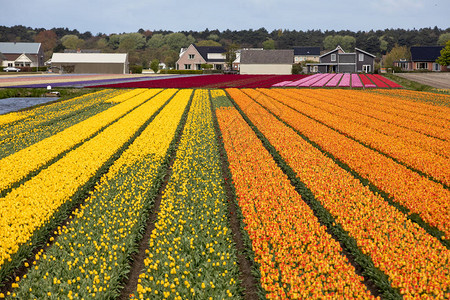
118, 16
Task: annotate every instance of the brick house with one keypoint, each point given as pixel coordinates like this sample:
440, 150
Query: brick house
193, 57
422, 58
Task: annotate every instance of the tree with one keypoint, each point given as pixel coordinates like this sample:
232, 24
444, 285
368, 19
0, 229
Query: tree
156, 41
397, 53
208, 43
346, 42
444, 59
72, 41
230, 55
47, 38
178, 40
444, 38
154, 65
131, 41
114, 41
268, 44
213, 37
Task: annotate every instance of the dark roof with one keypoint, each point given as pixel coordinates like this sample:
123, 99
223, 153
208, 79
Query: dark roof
307, 51
425, 53
267, 56
204, 50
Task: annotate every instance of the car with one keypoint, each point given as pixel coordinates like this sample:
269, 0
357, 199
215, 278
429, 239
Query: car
11, 69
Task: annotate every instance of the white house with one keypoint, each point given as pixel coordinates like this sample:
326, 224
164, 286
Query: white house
21, 54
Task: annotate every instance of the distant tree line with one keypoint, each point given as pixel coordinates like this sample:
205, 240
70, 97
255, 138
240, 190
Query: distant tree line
145, 46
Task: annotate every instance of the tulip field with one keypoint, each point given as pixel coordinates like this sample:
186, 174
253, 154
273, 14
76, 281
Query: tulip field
228, 193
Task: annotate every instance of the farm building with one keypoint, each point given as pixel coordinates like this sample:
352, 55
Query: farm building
422, 58
277, 62
22, 55
193, 57
338, 61
103, 63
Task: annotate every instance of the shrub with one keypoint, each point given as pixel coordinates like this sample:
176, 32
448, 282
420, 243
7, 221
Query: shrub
135, 69
297, 69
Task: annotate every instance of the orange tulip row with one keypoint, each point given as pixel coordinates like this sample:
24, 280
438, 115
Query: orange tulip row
419, 97
290, 245
425, 161
363, 116
416, 262
422, 196
427, 119
418, 111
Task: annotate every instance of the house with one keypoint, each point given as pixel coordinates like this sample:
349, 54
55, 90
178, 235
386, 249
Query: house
422, 58
338, 61
266, 62
193, 57
103, 63
21, 54
237, 61
306, 54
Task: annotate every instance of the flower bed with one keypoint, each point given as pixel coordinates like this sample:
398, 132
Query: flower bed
356, 81
335, 80
345, 81
366, 81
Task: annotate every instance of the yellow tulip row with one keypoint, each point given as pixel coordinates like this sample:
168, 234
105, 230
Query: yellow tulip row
32, 130
422, 196
426, 119
415, 262
432, 164
31, 205
191, 254
291, 247
44, 113
98, 240
360, 115
17, 166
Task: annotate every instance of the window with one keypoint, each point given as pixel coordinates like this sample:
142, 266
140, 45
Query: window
361, 57
191, 56
333, 57
10, 64
366, 68
187, 67
422, 65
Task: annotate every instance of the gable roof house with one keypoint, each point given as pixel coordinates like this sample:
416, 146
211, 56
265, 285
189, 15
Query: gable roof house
22, 54
103, 63
277, 62
339, 61
194, 56
306, 53
422, 58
